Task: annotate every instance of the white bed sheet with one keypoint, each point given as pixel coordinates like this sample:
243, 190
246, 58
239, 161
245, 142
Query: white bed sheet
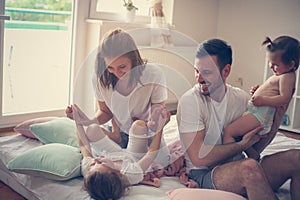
39, 188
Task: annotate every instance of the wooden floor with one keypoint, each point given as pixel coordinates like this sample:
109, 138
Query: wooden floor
6, 193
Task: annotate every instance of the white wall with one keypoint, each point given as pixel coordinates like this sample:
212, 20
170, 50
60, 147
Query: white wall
242, 23
245, 24
196, 18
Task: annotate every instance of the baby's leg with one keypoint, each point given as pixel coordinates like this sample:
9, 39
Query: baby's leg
253, 153
115, 134
99, 141
138, 139
240, 127
94, 133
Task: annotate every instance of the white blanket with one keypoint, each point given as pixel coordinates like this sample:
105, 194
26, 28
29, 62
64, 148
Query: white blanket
39, 188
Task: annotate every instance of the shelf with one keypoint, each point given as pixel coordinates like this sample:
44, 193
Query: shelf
288, 128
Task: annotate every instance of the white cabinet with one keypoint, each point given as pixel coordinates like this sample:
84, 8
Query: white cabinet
292, 115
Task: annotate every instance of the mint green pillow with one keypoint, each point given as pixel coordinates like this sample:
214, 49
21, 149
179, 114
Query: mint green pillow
61, 130
52, 161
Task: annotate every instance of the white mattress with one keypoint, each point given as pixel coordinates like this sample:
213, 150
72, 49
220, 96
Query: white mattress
39, 188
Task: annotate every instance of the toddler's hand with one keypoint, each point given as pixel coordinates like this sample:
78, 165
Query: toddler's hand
69, 112
257, 100
253, 89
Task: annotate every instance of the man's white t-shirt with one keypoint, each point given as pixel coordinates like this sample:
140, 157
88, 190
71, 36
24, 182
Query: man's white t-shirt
196, 112
136, 105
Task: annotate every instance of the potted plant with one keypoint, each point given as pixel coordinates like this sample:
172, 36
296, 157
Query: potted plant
131, 9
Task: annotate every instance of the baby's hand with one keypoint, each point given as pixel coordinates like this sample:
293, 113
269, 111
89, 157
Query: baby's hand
257, 100
69, 112
192, 184
253, 89
156, 182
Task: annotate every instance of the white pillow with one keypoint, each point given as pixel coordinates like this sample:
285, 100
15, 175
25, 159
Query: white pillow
202, 194
52, 161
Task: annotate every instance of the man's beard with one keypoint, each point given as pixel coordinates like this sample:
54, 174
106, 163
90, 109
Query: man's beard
206, 91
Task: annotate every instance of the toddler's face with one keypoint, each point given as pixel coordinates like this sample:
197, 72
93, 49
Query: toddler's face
276, 64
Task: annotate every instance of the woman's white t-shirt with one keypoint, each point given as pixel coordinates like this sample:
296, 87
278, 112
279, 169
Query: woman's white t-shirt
136, 105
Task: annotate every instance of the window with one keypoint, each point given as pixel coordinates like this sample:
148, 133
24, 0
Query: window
35, 59
114, 10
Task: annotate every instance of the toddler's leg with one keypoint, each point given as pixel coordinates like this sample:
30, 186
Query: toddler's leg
138, 139
252, 153
163, 155
115, 134
99, 141
94, 133
240, 127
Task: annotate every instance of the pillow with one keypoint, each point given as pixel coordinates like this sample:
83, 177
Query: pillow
52, 161
61, 130
23, 128
202, 194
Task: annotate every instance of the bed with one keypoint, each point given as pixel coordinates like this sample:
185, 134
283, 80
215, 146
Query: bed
35, 187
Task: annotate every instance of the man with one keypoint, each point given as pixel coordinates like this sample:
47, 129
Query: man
204, 111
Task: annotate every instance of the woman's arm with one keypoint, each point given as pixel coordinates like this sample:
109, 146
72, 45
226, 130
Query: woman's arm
103, 113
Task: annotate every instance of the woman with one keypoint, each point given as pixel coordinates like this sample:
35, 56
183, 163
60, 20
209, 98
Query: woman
126, 89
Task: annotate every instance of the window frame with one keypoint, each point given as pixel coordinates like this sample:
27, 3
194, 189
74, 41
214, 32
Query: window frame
9, 120
110, 16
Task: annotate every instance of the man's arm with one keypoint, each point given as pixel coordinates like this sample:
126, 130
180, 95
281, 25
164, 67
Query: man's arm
209, 155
